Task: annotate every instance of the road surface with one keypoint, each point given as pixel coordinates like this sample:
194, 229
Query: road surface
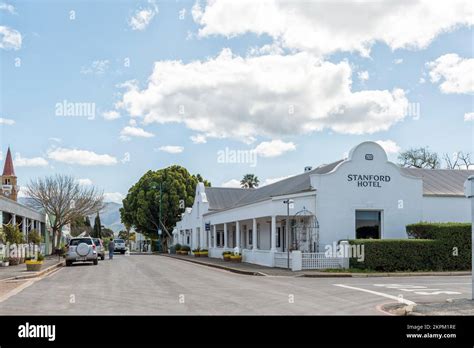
154, 285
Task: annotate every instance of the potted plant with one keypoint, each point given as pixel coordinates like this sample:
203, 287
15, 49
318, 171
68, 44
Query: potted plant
185, 250
35, 265
197, 252
204, 253
236, 257
13, 261
226, 255
5, 262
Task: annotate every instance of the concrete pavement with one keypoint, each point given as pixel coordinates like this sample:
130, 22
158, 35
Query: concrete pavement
141, 284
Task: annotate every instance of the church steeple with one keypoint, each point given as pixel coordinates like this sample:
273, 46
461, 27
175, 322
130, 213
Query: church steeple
8, 169
9, 186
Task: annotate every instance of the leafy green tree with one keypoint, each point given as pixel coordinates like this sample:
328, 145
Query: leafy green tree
141, 206
107, 232
34, 237
79, 225
97, 231
87, 222
249, 181
12, 234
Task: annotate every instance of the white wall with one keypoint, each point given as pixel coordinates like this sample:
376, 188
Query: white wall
446, 209
337, 198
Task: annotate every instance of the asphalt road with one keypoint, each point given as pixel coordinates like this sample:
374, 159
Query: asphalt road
142, 284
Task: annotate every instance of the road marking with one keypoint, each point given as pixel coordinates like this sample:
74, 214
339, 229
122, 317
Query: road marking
396, 298
418, 289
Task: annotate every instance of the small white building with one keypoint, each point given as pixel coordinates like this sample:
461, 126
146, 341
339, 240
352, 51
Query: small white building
363, 196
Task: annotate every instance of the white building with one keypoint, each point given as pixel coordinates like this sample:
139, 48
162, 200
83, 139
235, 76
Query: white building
363, 196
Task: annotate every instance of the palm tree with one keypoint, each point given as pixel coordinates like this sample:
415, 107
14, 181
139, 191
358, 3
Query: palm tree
249, 181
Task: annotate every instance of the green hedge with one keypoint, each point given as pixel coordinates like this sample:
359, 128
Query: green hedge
436, 252
451, 230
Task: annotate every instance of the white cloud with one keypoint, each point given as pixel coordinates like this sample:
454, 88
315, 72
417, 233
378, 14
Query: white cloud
242, 98
469, 116
421, 80
142, 17
198, 139
455, 74
6, 121
80, 157
84, 182
398, 61
389, 146
97, 67
115, 197
324, 27
231, 183
127, 132
274, 148
10, 39
363, 75
29, 162
56, 140
171, 149
110, 115
7, 7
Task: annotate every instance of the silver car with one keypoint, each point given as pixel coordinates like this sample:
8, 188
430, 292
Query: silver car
99, 248
120, 246
81, 249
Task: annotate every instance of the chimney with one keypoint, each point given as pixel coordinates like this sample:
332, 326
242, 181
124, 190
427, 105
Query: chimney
307, 168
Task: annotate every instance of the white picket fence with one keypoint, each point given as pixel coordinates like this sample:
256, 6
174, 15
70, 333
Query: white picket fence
320, 261
309, 261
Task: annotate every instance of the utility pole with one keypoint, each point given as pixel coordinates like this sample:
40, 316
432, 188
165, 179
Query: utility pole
288, 202
469, 192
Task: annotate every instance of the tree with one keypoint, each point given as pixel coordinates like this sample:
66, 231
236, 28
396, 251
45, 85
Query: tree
12, 234
64, 200
80, 225
249, 181
141, 206
459, 160
419, 158
34, 237
97, 231
107, 232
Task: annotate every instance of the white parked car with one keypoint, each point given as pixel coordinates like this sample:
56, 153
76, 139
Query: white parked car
81, 249
120, 246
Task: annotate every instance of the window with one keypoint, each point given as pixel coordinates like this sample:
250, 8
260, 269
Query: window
368, 224
278, 237
75, 242
250, 236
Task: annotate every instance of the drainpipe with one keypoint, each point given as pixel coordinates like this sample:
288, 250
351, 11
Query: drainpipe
469, 192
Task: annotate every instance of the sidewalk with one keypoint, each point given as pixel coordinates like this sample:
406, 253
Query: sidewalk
20, 272
460, 306
257, 270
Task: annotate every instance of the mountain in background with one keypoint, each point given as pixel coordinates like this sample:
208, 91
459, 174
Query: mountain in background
109, 216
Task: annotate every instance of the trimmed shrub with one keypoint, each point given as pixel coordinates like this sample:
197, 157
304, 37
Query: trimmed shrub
450, 251
185, 248
427, 230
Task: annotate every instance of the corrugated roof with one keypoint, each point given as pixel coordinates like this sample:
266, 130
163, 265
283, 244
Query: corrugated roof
224, 198
441, 182
436, 182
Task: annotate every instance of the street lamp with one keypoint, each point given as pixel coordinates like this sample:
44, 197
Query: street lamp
288, 202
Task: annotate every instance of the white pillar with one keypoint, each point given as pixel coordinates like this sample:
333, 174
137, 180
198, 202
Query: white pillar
273, 234
469, 191
23, 225
296, 260
254, 234
208, 241
237, 234
225, 235
214, 235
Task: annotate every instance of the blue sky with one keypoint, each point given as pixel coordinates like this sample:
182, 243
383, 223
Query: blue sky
50, 55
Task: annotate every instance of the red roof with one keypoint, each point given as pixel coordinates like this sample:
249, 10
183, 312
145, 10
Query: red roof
8, 169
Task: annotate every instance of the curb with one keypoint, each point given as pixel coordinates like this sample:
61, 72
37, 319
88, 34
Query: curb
36, 274
229, 269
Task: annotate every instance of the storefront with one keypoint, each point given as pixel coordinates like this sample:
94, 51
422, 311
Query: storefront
363, 196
